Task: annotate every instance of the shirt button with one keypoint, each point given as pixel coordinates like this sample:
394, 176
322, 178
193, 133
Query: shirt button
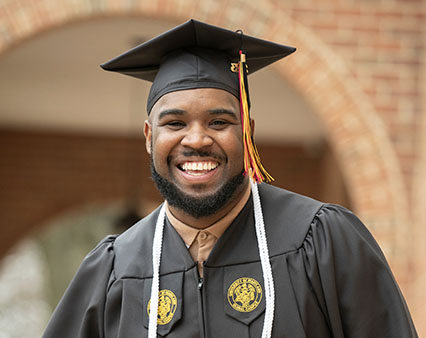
203, 236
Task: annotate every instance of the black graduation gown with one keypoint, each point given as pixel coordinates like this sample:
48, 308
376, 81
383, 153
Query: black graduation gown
331, 280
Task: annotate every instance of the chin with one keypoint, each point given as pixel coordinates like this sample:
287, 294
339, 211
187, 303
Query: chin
198, 204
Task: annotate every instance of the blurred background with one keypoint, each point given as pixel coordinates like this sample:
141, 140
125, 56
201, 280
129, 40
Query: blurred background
342, 120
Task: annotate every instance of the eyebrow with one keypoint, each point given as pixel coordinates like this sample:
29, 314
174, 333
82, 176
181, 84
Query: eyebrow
222, 111
168, 112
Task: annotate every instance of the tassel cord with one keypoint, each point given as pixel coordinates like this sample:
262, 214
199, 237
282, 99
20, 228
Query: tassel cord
156, 259
265, 263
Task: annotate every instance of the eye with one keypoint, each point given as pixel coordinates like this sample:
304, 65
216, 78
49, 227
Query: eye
175, 125
219, 124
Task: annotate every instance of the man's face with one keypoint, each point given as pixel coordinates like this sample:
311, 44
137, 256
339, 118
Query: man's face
194, 138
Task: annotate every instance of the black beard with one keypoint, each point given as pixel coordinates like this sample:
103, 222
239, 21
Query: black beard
196, 207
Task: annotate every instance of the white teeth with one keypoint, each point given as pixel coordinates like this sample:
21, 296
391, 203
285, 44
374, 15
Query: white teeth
194, 166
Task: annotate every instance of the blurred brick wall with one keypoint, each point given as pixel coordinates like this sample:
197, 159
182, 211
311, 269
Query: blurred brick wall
43, 175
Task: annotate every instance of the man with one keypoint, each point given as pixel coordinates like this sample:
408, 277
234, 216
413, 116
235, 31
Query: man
225, 256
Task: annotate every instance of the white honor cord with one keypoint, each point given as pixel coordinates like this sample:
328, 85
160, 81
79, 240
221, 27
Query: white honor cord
266, 264
264, 260
156, 257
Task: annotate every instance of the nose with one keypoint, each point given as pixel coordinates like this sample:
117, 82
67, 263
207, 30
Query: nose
197, 138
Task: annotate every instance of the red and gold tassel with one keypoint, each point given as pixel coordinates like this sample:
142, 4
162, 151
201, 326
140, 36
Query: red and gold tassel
252, 165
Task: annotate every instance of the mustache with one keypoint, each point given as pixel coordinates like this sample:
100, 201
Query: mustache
200, 153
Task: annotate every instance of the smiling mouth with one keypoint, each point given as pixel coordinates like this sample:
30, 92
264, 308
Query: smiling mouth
198, 168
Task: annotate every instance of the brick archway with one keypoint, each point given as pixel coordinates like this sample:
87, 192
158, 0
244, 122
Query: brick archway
419, 199
419, 303
355, 131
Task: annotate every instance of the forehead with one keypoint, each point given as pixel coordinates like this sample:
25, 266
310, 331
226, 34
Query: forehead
199, 99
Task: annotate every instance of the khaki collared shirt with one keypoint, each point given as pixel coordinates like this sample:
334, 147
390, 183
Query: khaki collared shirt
200, 242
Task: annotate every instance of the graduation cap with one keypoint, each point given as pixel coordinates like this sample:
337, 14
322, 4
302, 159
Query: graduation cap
198, 55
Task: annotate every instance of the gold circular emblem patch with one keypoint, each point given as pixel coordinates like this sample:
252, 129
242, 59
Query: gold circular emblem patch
245, 294
167, 305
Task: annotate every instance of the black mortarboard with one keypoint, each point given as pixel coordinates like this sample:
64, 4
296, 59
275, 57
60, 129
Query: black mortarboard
195, 55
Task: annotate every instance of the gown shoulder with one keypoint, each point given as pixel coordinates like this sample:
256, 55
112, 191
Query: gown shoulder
351, 278
80, 312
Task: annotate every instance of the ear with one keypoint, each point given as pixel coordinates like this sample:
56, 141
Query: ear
147, 131
252, 126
